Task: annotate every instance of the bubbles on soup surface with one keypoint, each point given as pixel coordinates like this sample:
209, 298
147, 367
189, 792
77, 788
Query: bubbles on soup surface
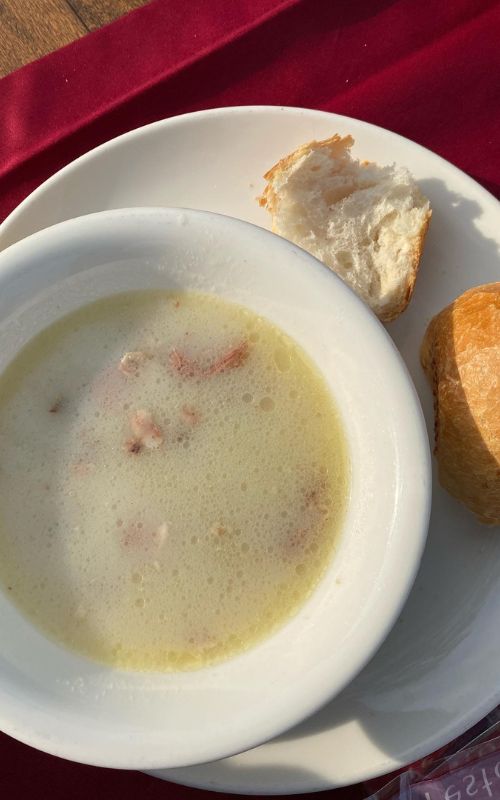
184, 499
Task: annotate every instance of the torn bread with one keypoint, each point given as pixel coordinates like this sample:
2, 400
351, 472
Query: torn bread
366, 222
461, 356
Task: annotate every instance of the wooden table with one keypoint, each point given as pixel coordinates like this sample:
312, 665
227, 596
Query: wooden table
31, 28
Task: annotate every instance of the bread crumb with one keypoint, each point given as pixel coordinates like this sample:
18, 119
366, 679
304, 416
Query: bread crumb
366, 222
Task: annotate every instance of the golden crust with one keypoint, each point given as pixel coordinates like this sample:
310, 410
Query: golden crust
390, 314
336, 143
461, 357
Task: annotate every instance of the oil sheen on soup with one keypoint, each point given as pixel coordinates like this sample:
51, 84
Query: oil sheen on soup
172, 483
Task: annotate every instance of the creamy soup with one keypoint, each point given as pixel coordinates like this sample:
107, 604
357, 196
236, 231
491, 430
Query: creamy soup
172, 482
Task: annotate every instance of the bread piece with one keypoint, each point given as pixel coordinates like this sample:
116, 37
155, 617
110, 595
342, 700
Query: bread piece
367, 223
461, 356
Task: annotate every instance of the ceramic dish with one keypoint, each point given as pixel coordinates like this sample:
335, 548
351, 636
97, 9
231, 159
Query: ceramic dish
141, 720
437, 673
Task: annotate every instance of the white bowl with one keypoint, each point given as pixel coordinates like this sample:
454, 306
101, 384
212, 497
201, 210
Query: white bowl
64, 704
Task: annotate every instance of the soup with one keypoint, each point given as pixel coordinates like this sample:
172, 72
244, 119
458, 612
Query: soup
172, 483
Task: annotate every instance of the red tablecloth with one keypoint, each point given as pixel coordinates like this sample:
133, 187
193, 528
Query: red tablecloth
429, 71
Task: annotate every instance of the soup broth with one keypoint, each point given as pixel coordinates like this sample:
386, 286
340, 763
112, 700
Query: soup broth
172, 482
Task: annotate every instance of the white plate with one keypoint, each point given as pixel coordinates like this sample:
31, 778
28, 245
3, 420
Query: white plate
437, 673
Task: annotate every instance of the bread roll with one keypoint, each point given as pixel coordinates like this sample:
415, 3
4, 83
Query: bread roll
461, 356
367, 223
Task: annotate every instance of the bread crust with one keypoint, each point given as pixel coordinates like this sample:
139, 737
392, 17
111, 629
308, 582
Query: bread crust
340, 144
461, 356
269, 197
390, 314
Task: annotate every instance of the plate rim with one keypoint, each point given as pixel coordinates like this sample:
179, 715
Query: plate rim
222, 111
